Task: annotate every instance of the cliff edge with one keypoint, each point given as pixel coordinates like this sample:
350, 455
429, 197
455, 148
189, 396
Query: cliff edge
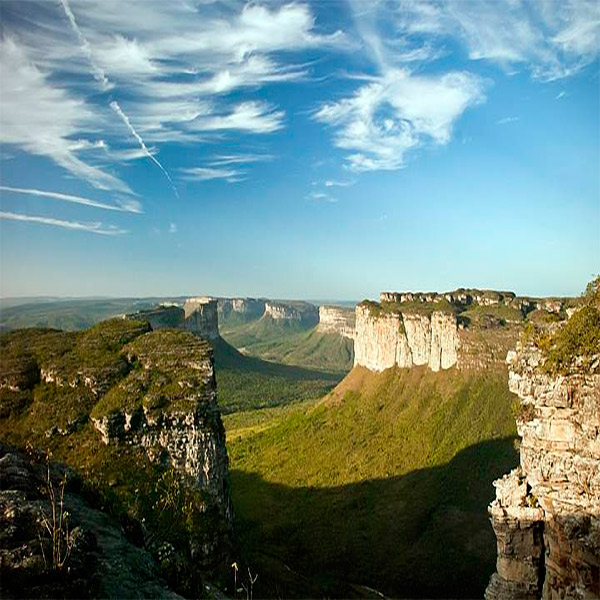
546, 514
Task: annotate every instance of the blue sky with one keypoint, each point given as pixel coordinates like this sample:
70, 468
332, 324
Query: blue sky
325, 149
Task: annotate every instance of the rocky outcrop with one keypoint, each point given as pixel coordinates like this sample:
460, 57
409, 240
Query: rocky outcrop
165, 316
302, 312
384, 339
100, 562
334, 319
465, 297
128, 407
201, 317
250, 308
169, 409
198, 315
546, 514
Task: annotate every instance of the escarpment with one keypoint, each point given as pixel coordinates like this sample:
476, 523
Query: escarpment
472, 329
135, 412
198, 316
333, 319
546, 514
385, 339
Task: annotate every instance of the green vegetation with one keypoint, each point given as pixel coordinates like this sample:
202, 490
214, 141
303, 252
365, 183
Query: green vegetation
246, 382
68, 315
117, 364
576, 344
263, 330
383, 484
312, 349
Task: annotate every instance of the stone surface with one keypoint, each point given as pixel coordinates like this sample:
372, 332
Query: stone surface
546, 514
247, 307
385, 339
303, 312
201, 317
334, 319
101, 562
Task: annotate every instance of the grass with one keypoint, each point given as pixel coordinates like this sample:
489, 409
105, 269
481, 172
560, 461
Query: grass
246, 382
382, 484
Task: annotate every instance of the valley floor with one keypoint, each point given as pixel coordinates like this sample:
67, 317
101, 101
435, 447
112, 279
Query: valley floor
383, 485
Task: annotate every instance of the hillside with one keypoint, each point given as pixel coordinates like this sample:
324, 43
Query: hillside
292, 343
134, 413
383, 484
246, 382
67, 314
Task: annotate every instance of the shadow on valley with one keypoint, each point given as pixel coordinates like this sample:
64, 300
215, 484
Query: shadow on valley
246, 382
424, 534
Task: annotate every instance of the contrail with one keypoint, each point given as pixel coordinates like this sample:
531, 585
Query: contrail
115, 106
67, 198
100, 75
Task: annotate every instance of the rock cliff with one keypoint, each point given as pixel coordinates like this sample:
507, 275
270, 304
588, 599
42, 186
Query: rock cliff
333, 319
250, 308
302, 312
546, 514
136, 412
384, 339
198, 315
201, 317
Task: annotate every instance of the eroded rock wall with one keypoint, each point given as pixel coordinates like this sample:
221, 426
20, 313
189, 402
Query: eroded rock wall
384, 339
546, 514
201, 317
333, 319
248, 307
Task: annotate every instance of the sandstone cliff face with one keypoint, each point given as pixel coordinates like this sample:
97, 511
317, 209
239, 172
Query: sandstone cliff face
201, 317
171, 411
301, 312
198, 315
385, 339
546, 514
249, 307
333, 319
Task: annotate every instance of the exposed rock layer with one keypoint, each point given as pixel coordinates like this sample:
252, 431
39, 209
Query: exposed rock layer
333, 319
385, 339
546, 514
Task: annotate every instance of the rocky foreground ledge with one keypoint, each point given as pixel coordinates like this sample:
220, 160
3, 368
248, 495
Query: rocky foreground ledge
546, 514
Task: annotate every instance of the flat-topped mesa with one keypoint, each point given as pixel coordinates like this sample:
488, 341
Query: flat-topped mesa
201, 317
164, 316
302, 312
253, 308
546, 514
405, 339
334, 319
465, 297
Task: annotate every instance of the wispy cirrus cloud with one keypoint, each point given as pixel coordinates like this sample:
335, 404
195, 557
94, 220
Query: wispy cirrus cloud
552, 39
170, 68
507, 120
128, 205
41, 118
94, 227
209, 173
322, 197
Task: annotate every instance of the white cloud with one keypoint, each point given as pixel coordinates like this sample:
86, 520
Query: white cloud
40, 117
507, 120
322, 197
553, 39
208, 173
397, 112
125, 206
334, 183
95, 227
251, 117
